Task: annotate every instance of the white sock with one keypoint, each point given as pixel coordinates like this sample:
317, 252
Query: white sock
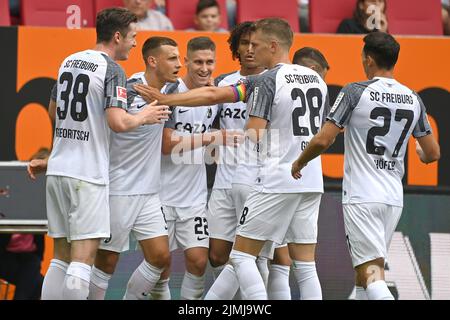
217, 270
161, 291
98, 284
250, 280
308, 281
278, 284
378, 290
54, 280
76, 282
263, 267
360, 293
192, 287
225, 286
142, 281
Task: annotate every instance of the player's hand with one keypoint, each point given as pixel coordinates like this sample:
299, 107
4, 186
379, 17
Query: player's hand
36, 166
148, 93
154, 113
233, 138
296, 168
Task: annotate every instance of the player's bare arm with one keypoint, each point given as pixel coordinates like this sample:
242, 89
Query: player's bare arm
190, 142
52, 109
203, 96
120, 121
255, 128
428, 149
318, 144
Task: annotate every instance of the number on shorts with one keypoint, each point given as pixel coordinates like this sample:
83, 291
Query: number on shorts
243, 216
201, 226
164, 217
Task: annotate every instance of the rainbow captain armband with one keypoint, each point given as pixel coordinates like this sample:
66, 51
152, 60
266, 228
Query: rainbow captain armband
240, 91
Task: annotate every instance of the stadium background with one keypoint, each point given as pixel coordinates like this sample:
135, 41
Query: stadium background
420, 264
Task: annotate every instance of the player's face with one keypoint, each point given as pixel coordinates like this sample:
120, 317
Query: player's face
126, 43
168, 63
200, 65
208, 19
260, 47
138, 7
246, 53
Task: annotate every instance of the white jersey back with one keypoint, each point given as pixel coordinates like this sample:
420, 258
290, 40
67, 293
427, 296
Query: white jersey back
88, 83
234, 116
379, 116
293, 100
135, 156
183, 177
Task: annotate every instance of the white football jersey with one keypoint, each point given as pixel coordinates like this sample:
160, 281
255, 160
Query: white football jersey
88, 83
379, 116
232, 117
135, 156
183, 177
293, 99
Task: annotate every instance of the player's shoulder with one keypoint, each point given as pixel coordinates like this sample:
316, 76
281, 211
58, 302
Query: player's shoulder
227, 78
172, 87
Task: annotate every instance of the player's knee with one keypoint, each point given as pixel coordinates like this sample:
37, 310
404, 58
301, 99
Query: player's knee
161, 259
106, 261
217, 259
197, 265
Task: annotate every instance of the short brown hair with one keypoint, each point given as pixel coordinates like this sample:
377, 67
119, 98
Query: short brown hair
154, 43
201, 43
279, 28
111, 20
302, 55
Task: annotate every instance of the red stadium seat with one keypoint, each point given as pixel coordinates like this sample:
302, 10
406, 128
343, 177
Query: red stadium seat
416, 17
53, 13
99, 5
182, 12
5, 20
251, 10
325, 15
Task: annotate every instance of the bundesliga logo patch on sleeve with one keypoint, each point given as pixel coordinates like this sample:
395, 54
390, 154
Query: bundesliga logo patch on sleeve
121, 93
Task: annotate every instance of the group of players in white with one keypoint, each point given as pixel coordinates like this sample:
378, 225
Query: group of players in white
124, 162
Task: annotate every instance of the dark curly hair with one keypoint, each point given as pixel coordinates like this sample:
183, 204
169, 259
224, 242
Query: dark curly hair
236, 34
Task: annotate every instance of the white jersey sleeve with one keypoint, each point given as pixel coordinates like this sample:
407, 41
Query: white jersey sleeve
88, 82
292, 99
379, 116
135, 156
183, 176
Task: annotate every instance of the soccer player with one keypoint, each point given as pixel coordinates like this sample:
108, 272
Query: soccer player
183, 171
287, 103
90, 96
135, 184
313, 59
379, 117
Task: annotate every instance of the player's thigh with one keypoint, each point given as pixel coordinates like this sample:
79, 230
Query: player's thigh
365, 232
89, 214
266, 216
303, 227
123, 213
150, 221
221, 215
58, 205
191, 230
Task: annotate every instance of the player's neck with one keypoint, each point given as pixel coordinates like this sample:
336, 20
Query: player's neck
282, 57
106, 49
153, 80
245, 71
189, 83
383, 74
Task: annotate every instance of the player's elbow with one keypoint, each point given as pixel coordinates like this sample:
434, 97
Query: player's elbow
434, 154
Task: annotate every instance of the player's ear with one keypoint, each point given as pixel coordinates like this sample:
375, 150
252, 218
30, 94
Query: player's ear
151, 61
116, 37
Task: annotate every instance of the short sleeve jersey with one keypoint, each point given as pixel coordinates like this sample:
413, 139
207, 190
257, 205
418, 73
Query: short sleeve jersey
293, 100
379, 117
88, 83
